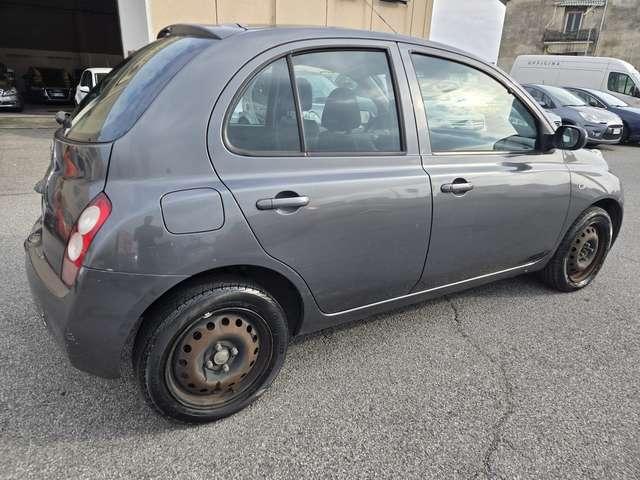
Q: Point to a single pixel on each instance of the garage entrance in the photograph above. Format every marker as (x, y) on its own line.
(50, 42)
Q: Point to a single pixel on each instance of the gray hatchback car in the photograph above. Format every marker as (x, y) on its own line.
(226, 189)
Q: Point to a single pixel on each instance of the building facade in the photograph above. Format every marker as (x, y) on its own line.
(606, 28)
(473, 25)
(76, 34)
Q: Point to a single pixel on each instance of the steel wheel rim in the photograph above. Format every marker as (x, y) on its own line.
(195, 370)
(585, 253)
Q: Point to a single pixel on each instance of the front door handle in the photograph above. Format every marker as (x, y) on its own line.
(282, 203)
(457, 187)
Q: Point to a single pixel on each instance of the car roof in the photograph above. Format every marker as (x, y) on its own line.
(223, 31)
(98, 69)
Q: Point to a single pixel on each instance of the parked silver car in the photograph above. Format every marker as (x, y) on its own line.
(212, 221)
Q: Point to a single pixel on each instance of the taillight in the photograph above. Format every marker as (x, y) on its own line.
(88, 224)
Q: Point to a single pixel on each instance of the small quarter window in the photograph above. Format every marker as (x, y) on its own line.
(264, 118)
(467, 110)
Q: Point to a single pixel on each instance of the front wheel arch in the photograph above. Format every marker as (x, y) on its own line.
(614, 209)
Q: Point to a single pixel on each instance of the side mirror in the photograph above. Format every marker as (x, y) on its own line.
(63, 119)
(570, 137)
(84, 89)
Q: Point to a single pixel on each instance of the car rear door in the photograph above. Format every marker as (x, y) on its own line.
(498, 202)
(340, 197)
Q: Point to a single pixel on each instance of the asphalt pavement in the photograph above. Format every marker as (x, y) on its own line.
(511, 380)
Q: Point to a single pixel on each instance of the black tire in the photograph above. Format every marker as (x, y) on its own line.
(179, 319)
(577, 261)
(625, 134)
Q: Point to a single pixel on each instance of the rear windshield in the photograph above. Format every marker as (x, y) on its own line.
(115, 105)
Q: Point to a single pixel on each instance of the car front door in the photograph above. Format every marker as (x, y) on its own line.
(499, 203)
(328, 174)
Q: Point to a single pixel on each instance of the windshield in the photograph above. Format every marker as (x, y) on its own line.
(610, 99)
(116, 103)
(564, 97)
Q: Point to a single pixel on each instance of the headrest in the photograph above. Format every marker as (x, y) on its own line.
(341, 112)
(305, 93)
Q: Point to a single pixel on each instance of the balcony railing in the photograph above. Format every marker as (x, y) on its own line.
(585, 35)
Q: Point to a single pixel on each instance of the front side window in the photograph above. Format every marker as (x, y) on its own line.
(467, 110)
(621, 83)
(264, 118)
(347, 100)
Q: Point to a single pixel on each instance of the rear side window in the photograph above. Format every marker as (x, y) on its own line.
(344, 102)
(467, 110)
(112, 108)
(348, 102)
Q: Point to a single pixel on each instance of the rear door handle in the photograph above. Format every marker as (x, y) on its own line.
(457, 187)
(282, 202)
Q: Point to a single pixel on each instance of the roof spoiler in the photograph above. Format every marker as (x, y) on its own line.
(217, 32)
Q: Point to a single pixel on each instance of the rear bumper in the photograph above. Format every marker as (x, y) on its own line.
(91, 321)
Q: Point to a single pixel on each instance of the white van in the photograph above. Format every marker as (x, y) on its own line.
(600, 73)
(89, 79)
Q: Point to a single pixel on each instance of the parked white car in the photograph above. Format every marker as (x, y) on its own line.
(89, 79)
(611, 75)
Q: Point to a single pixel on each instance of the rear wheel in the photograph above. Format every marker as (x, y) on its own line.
(211, 350)
(581, 253)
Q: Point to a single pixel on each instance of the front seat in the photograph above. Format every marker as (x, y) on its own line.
(341, 115)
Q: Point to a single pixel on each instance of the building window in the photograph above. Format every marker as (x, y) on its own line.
(573, 20)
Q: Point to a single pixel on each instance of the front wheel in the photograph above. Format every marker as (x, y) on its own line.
(211, 350)
(581, 253)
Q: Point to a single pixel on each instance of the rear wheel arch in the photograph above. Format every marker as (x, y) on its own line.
(275, 283)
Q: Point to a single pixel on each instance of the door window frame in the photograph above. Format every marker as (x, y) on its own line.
(543, 124)
(570, 17)
(318, 46)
